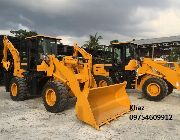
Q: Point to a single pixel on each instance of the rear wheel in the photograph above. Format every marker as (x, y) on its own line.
(55, 96)
(18, 89)
(155, 89)
(102, 81)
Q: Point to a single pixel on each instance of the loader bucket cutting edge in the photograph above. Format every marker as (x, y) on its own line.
(104, 104)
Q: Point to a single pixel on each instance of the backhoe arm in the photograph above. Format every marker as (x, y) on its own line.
(15, 55)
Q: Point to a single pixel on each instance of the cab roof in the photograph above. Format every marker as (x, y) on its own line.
(122, 44)
(39, 35)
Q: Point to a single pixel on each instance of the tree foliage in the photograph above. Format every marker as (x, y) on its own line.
(23, 33)
(93, 42)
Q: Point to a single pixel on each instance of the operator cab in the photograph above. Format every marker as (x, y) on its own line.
(123, 52)
(39, 48)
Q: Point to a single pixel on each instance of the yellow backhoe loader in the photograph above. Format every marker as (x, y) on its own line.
(58, 78)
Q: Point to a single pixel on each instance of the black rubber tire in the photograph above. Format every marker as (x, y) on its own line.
(170, 88)
(105, 78)
(62, 96)
(22, 89)
(163, 88)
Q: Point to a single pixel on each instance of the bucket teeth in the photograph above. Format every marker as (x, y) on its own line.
(112, 118)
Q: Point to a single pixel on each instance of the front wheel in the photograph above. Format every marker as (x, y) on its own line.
(155, 89)
(55, 96)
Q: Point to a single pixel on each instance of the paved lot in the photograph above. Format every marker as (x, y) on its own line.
(29, 120)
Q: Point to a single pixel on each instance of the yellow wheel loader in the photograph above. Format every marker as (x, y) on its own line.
(59, 78)
(155, 79)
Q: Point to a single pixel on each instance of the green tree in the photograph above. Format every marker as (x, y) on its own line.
(23, 33)
(93, 42)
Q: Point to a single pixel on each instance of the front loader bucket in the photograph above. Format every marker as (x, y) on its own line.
(103, 104)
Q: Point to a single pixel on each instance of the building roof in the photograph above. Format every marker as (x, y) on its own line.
(120, 43)
(39, 35)
(158, 40)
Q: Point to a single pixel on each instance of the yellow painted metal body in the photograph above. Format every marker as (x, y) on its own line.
(107, 103)
(95, 106)
(160, 69)
(99, 69)
(132, 65)
(15, 54)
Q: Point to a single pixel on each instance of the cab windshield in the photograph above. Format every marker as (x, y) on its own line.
(47, 46)
(123, 53)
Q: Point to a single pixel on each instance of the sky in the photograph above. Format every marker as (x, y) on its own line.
(75, 20)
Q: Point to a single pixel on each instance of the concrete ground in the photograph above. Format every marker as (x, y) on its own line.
(29, 120)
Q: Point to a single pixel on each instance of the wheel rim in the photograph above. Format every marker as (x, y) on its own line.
(50, 97)
(103, 83)
(14, 89)
(153, 89)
